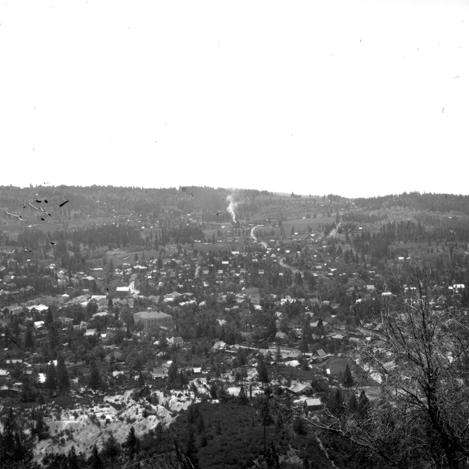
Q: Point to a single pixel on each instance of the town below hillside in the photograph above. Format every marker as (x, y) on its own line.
(197, 327)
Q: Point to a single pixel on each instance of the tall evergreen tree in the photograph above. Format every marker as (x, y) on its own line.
(266, 418)
(110, 305)
(262, 371)
(29, 337)
(347, 379)
(95, 459)
(53, 337)
(363, 405)
(95, 377)
(8, 437)
(304, 346)
(352, 405)
(320, 328)
(200, 424)
(28, 392)
(242, 397)
(39, 426)
(111, 449)
(299, 426)
(335, 402)
(15, 448)
(173, 375)
(191, 450)
(279, 423)
(49, 317)
(72, 459)
(51, 377)
(131, 443)
(63, 382)
(278, 354)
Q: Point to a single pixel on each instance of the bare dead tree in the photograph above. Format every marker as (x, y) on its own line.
(422, 417)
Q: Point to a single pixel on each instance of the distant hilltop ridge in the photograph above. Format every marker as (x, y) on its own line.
(75, 206)
(201, 189)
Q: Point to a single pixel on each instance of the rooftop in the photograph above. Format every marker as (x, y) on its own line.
(151, 315)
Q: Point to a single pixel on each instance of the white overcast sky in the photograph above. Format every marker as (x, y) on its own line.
(347, 97)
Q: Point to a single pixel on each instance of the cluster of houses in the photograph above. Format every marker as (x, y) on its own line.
(246, 287)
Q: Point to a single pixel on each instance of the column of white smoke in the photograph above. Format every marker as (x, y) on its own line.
(231, 209)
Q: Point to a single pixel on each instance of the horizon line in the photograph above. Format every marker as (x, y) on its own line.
(228, 189)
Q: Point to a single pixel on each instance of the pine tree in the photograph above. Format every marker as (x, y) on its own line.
(39, 427)
(49, 317)
(278, 355)
(8, 437)
(110, 305)
(63, 382)
(213, 390)
(53, 337)
(299, 426)
(274, 460)
(335, 403)
(271, 328)
(28, 392)
(307, 333)
(262, 371)
(279, 423)
(242, 397)
(266, 419)
(131, 443)
(202, 440)
(200, 425)
(352, 405)
(111, 449)
(29, 337)
(363, 405)
(95, 378)
(320, 328)
(304, 347)
(347, 380)
(192, 414)
(218, 429)
(191, 450)
(173, 375)
(51, 377)
(72, 459)
(95, 459)
(15, 449)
